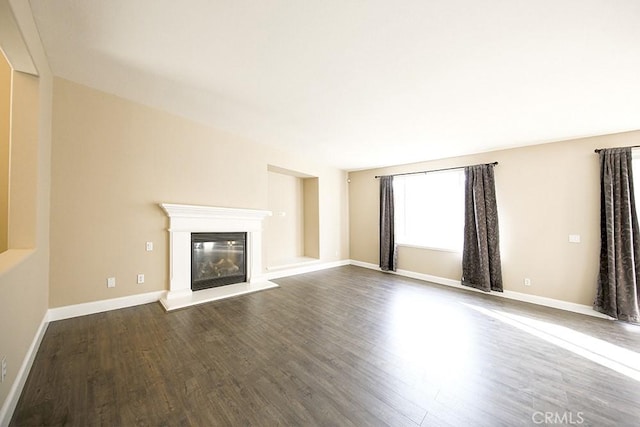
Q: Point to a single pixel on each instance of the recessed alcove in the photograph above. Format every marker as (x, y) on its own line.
(291, 234)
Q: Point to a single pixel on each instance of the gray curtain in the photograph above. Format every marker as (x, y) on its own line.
(617, 294)
(388, 255)
(481, 251)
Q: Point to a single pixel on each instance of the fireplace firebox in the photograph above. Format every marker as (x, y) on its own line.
(217, 259)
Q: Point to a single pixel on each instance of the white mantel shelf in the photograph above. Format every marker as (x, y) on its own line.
(197, 211)
(187, 219)
(201, 218)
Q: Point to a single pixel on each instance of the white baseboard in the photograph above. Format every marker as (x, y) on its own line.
(69, 311)
(60, 313)
(10, 403)
(553, 303)
(305, 269)
(66, 312)
(517, 296)
(76, 310)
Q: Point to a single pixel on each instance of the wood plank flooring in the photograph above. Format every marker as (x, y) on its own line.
(340, 347)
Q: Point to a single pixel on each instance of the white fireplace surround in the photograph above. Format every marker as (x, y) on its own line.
(187, 219)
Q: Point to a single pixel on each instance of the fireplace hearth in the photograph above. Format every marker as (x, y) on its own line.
(217, 259)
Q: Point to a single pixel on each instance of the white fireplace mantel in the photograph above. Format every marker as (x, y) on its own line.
(187, 219)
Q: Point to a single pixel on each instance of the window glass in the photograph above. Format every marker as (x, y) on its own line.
(429, 209)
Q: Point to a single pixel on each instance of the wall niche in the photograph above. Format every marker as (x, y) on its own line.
(292, 233)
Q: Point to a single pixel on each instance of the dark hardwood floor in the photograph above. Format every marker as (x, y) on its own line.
(341, 347)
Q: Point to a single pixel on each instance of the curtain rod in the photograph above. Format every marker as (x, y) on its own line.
(434, 170)
(597, 150)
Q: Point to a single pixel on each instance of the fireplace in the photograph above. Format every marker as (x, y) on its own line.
(217, 259)
(186, 220)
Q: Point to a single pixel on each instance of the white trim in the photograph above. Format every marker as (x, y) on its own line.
(66, 312)
(212, 212)
(228, 291)
(365, 265)
(306, 269)
(76, 310)
(517, 296)
(10, 403)
(431, 248)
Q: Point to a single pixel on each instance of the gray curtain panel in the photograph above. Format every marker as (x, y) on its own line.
(481, 251)
(388, 256)
(618, 290)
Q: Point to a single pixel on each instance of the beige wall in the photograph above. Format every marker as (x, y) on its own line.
(114, 161)
(5, 117)
(545, 192)
(311, 218)
(24, 272)
(285, 227)
(24, 174)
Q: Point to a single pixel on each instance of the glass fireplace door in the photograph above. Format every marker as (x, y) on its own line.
(217, 259)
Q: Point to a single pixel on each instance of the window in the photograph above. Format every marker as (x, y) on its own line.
(429, 210)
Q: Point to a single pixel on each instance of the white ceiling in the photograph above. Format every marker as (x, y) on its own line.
(363, 83)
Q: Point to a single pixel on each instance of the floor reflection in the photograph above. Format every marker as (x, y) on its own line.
(622, 360)
(420, 337)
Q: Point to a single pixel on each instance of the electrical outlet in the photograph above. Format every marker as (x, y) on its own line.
(527, 281)
(149, 246)
(4, 369)
(111, 282)
(140, 278)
